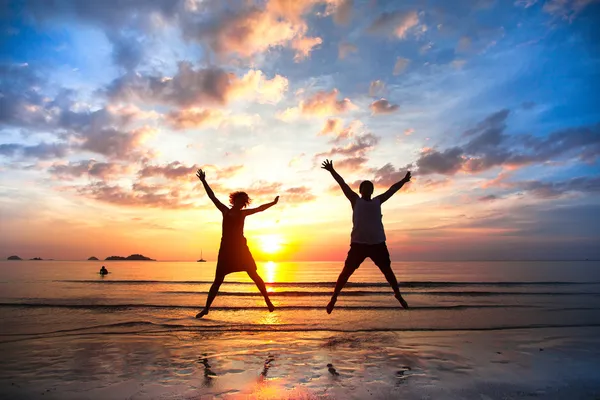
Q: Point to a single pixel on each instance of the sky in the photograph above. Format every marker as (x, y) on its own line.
(107, 109)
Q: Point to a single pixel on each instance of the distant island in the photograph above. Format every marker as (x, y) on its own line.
(133, 257)
(14, 258)
(93, 259)
(36, 259)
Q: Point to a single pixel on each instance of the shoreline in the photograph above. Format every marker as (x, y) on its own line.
(518, 363)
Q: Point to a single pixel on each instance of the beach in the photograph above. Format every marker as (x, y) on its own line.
(494, 331)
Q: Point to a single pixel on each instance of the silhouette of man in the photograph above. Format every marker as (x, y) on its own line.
(368, 236)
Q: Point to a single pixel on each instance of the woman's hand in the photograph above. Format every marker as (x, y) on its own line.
(201, 175)
(276, 200)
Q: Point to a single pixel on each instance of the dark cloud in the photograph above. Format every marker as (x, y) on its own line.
(360, 145)
(196, 87)
(21, 102)
(555, 189)
(489, 146)
(128, 50)
(40, 151)
(447, 162)
(91, 168)
(383, 106)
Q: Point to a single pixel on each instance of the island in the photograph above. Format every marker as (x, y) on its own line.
(93, 259)
(133, 257)
(14, 258)
(36, 259)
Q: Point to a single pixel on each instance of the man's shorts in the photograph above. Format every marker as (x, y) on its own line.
(376, 252)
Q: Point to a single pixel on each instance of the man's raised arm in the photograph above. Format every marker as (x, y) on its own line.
(394, 188)
(350, 194)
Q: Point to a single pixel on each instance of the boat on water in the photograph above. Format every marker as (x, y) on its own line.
(201, 258)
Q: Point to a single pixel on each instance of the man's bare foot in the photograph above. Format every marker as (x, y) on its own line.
(271, 307)
(401, 300)
(330, 306)
(202, 313)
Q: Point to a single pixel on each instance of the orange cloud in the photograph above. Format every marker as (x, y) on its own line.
(304, 45)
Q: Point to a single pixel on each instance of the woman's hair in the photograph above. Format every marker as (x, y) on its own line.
(241, 195)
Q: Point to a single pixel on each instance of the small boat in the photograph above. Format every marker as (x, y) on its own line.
(201, 259)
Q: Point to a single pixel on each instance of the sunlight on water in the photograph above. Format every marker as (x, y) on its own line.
(271, 269)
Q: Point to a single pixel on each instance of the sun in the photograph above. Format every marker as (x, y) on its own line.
(271, 244)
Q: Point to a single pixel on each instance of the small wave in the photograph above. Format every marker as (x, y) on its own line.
(158, 328)
(350, 293)
(116, 307)
(409, 284)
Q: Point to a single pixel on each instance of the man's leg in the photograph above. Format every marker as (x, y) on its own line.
(381, 257)
(355, 257)
(212, 293)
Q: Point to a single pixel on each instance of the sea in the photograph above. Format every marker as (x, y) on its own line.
(66, 298)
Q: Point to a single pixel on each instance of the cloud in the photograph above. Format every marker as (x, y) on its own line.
(321, 104)
(198, 87)
(304, 46)
(195, 118)
(401, 65)
(351, 163)
(128, 50)
(343, 12)
(382, 106)
(489, 146)
(177, 171)
(332, 125)
(566, 9)
(360, 145)
(41, 150)
(555, 189)
(395, 23)
(335, 127)
(140, 195)
(376, 88)
(254, 30)
(246, 32)
(91, 168)
(447, 162)
(114, 143)
(345, 49)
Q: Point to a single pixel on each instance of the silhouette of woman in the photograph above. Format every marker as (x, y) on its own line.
(234, 254)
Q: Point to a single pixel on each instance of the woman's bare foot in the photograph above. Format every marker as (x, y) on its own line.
(202, 313)
(401, 300)
(330, 306)
(271, 307)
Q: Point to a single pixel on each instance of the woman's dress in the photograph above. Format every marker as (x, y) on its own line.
(234, 254)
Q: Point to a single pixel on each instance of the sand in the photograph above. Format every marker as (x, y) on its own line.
(183, 364)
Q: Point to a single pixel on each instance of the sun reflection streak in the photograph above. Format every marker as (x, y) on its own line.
(271, 269)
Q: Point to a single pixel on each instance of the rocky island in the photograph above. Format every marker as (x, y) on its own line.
(93, 259)
(133, 257)
(36, 259)
(14, 258)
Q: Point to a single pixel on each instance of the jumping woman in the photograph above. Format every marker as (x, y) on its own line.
(234, 254)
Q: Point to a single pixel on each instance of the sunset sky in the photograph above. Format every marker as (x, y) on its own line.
(108, 108)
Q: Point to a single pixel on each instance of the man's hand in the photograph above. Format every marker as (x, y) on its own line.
(276, 200)
(201, 175)
(328, 165)
(407, 177)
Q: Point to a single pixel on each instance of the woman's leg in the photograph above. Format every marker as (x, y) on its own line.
(260, 284)
(212, 293)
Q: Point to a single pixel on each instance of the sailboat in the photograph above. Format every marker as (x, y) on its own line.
(201, 259)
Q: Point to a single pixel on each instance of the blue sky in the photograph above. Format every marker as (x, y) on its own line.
(109, 108)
